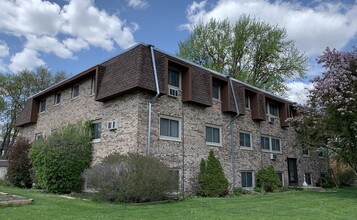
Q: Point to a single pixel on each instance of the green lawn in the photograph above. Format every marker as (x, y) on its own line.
(337, 204)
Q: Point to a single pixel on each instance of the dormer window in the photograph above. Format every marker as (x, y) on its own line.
(272, 109)
(174, 78)
(247, 102)
(216, 91)
(42, 105)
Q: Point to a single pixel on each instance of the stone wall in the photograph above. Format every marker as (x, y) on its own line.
(130, 111)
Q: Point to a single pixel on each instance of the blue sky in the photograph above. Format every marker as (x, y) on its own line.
(73, 35)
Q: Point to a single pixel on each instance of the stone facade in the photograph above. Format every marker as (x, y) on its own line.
(130, 112)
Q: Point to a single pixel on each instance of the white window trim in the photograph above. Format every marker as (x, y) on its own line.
(253, 179)
(270, 144)
(55, 99)
(251, 139)
(92, 84)
(168, 138)
(308, 153)
(220, 135)
(180, 76)
(268, 110)
(96, 140)
(39, 134)
(73, 92)
(249, 107)
(219, 93)
(39, 109)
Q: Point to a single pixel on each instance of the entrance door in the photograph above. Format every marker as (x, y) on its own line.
(292, 169)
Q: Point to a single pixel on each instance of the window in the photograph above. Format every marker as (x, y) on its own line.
(92, 86)
(38, 136)
(75, 91)
(42, 105)
(170, 128)
(247, 179)
(280, 175)
(270, 144)
(57, 98)
(213, 135)
(265, 143)
(216, 91)
(247, 102)
(305, 152)
(96, 130)
(245, 140)
(308, 178)
(272, 109)
(174, 78)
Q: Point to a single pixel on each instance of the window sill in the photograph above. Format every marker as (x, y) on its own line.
(165, 138)
(96, 140)
(216, 100)
(73, 98)
(214, 144)
(306, 156)
(57, 104)
(40, 113)
(246, 148)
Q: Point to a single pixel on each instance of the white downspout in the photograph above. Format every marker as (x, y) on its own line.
(232, 132)
(152, 100)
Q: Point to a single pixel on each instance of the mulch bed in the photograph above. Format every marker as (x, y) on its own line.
(11, 200)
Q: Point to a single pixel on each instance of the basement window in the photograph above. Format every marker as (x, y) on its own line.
(247, 179)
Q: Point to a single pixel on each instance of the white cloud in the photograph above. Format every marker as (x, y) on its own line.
(4, 49)
(27, 58)
(48, 45)
(313, 29)
(138, 3)
(48, 28)
(2, 66)
(298, 91)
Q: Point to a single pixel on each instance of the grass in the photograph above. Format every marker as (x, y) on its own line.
(337, 204)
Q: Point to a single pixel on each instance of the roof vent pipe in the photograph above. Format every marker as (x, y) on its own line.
(152, 100)
(231, 124)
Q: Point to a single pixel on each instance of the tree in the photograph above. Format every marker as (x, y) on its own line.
(14, 91)
(329, 118)
(211, 179)
(249, 50)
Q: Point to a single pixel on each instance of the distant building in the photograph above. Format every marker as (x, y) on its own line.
(192, 114)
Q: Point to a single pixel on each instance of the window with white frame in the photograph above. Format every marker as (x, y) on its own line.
(270, 144)
(42, 105)
(174, 78)
(38, 136)
(58, 98)
(280, 175)
(213, 135)
(305, 152)
(75, 91)
(272, 110)
(308, 178)
(247, 179)
(92, 86)
(247, 102)
(245, 140)
(216, 91)
(96, 130)
(170, 128)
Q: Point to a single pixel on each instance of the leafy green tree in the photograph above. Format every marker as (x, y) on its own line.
(14, 91)
(211, 179)
(249, 50)
(328, 121)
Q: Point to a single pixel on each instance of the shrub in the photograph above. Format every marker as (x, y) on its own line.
(131, 178)
(267, 179)
(19, 170)
(211, 179)
(346, 177)
(60, 159)
(326, 182)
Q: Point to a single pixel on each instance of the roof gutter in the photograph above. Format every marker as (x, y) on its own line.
(152, 100)
(231, 125)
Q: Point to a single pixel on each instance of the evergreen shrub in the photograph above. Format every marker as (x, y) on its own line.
(267, 179)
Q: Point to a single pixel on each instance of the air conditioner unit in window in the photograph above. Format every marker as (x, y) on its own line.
(112, 125)
(270, 119)
(273, 156)
(173, 92)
